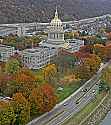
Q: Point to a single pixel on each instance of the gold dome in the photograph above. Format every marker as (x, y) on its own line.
(56, 21)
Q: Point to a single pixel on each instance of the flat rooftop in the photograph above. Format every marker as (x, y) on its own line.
(5, 46)
(36, 50)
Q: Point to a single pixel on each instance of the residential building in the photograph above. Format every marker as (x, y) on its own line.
(74, 45)
(5, 31)
(6, 52)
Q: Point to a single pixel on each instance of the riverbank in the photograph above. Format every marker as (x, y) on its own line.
(107, 119)
(99, 112)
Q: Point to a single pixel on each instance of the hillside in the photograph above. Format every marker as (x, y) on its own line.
(13, 11)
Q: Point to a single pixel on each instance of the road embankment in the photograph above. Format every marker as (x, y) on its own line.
(99, 113)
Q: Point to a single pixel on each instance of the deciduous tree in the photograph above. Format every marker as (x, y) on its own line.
(7, 115)
(12, 66)
(26, 81)
(42, 99)
(21, 108)
(50, 72)
(88, 67)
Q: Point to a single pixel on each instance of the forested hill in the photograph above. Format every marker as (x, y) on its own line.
(14, 11)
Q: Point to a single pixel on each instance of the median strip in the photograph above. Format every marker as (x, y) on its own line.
(78, 118)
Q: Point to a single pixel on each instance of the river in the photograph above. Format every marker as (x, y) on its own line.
(107, 120)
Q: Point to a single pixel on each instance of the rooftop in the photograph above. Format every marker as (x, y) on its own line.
(5, 46)
(36, 50)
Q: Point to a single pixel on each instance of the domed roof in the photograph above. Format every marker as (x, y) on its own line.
(56, 21)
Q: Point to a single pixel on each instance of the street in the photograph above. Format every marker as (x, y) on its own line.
(73, 104)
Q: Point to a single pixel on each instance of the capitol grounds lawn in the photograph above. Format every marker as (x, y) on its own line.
(79, 117)
(67, 89)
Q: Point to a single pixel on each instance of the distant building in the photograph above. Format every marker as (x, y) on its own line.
(5, 31)
(74, 45)
(38, 57)
(6, 52)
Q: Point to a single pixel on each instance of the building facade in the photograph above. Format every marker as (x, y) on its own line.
(38, 57)
(74, 45)
(5, 31)
(6, 52)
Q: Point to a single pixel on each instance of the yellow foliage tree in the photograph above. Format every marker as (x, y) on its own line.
(50, 72)
(7, 115)
(89, 67)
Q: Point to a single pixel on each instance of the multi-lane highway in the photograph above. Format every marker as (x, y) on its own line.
(72, 104)
(72, 107)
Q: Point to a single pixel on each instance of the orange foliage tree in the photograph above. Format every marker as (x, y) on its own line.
(26, 81)
(7, 84)
(21, 108)
(86, 49)
(104, 52)
(109, 35)
(42, 99)
(88, 67)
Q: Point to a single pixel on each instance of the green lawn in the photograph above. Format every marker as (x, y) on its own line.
(76, 119)
(67, 91)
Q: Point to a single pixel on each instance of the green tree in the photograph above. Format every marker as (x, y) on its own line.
(103, 86)
(7, 115)
(65, 63)
(12, 66)
(69, 35)
(106, 76)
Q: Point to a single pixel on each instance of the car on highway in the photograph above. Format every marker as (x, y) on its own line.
(84, 90)
(94, 91)
(77, 102)
(66, 103)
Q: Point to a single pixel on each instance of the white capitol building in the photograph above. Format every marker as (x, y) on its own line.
(55, 33)
(38, 57)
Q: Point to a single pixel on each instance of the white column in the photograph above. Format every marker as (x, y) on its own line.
(19, 31)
